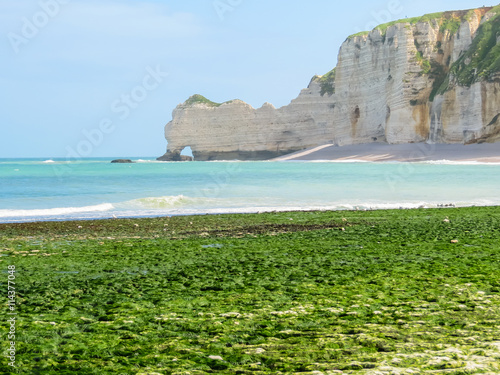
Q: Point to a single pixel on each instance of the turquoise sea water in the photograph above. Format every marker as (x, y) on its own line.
(32, 190)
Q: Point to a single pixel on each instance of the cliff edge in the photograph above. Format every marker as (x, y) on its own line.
(433, 79)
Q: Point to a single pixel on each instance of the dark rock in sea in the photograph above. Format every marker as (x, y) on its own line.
(122, 161)
(175, 157)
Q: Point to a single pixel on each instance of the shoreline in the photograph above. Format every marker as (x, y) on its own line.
(410, 153)
(447, 206)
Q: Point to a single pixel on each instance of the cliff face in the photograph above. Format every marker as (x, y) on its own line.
(431, 79)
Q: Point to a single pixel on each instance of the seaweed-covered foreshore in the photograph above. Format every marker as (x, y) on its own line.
(375, 292)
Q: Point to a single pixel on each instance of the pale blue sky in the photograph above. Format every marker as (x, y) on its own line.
(89, 78)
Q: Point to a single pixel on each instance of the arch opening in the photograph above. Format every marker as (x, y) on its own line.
(187, 153)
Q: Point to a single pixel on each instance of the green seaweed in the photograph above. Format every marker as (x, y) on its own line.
(272, 293)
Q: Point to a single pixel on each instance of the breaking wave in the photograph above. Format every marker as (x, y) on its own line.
(457, 162)
(175, 201)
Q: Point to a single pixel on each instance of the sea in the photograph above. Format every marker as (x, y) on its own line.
(56, 189)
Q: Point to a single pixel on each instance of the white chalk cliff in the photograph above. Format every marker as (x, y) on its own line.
(432, 79)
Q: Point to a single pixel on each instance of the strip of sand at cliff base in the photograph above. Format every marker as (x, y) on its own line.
(411, 152)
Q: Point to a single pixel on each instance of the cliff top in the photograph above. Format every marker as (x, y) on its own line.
(200, 99)
(448, 21)
(326, 81)
(480, 62)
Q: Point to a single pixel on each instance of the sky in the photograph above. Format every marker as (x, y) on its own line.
(100, 78)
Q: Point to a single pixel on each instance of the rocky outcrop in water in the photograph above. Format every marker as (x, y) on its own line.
(432, 79)
(121, 161)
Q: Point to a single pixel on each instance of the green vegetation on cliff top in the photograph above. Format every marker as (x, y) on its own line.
(412, 21)
(294, 292)
(327, 82)
(201, 99)
(195, 99)
(383, 27)
(448, 21)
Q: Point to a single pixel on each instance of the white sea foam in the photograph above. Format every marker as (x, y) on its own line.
(180, 205)
(235, 206)
(49, 161)
(340, 161)
(457, 162)
(59, 211)
(175, 201)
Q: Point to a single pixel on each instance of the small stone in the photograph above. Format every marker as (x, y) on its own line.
(216, 357)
